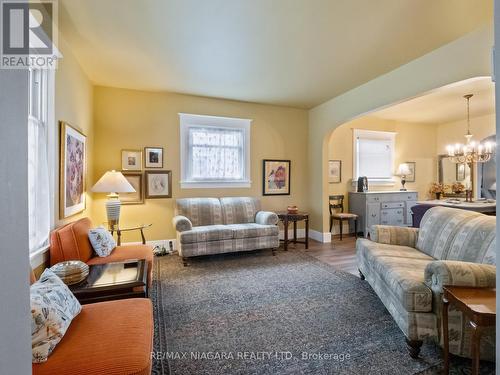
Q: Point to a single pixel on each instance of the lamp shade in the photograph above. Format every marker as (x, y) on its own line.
(113, 182)
(403, 170)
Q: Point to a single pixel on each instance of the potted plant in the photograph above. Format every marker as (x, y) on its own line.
(437, 189)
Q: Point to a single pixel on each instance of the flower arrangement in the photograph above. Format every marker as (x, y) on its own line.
(458, 187)
(437, 187)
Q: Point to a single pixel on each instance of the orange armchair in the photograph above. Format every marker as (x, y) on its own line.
(71, 242)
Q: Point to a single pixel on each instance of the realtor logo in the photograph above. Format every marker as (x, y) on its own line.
(27, 34)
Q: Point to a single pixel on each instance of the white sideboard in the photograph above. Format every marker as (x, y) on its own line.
(382, 207)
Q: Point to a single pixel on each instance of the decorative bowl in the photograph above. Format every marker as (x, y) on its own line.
(71, 272)
(292, 209)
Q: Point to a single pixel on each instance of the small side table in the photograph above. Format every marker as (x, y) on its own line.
(479, 306)
(286, 218)
(119, 231)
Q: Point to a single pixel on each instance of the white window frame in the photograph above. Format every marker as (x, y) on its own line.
(188, 121)
(373, 134)
(45, 112)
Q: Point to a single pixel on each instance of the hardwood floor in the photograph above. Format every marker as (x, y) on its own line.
(339, 254)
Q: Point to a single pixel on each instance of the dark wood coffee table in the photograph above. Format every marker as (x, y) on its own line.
(479, 306)
(111, 281)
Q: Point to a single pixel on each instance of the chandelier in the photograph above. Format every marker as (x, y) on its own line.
(471, 151)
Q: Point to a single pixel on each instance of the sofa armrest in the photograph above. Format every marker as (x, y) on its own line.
(182, 223)
(266, 218)
(456, 273)
(392, 235)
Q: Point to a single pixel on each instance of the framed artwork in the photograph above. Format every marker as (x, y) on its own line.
(158, 184)
(460, 172)
(412, 166)
(334, 171)
(72, 170)
(135, 179)
(276, 177)
(153, 157)
(132, 160)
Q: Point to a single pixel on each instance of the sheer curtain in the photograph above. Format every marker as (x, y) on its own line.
(216, 154)
(38, 166)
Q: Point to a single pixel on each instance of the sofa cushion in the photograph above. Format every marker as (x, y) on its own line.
(253, 230)
(206, 233)
(109, 338)
(474, 241)
(102, 241)
(201, 211)
(401, 268)
(239, 210)
(438, 229)
(71, 242)
(121, 253)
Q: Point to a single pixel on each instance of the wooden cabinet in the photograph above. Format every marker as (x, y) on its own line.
(382, 207)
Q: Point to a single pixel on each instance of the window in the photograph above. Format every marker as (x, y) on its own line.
(215, 151)
(40, 147)
(374, 155)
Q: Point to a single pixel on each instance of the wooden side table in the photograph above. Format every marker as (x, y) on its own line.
(479, 306)
(286, 218)
(120, 230)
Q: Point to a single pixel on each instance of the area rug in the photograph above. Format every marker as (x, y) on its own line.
(254, 313)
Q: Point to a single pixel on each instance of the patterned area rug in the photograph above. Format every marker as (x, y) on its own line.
(252, 313)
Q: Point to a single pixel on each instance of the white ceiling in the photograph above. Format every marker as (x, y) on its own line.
(287, 52)
(445, 104)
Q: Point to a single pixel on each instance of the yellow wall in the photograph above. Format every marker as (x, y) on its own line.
(129, 119)
(74, 104)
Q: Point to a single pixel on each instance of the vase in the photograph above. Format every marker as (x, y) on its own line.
(438, 196)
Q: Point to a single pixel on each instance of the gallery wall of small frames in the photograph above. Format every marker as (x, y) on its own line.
(149, 184)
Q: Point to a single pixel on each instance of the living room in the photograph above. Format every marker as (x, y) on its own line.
(197, 190)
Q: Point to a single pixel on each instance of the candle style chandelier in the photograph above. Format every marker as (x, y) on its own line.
(471, 151)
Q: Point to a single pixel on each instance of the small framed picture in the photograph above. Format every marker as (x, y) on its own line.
(137, 181)
(132, 160)
(153, 157)
(276, 177)
(460, 172)
(158, 184)
(412, 166)
(334, 171)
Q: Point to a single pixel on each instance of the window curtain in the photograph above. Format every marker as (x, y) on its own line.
(216, 153)
(375, 158)
(38, 184)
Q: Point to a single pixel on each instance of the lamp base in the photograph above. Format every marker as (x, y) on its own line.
(403, 182)
(113, 206)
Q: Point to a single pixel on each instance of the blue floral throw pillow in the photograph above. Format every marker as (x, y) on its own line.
(53, 307)
(102, 241)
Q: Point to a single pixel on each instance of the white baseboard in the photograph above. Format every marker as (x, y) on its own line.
(321, 237)
(165, 243)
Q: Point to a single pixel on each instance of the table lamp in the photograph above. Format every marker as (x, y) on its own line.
(113, 182)
(403, 171)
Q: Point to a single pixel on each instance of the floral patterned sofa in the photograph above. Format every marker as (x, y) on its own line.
(408, 267)
(221, 225)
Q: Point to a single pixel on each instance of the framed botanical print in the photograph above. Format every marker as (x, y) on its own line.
(132, 160)
(276, 177)
(412, 166)
(136, 179)
(153, 157)
(72, 172)
(158, 184)
(334, 171)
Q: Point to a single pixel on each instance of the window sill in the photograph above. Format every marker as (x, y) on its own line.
(38, 256)
(376, 182)
(215, 184)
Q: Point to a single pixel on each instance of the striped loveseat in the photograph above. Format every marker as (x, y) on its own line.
(221, 225)
(408, 267)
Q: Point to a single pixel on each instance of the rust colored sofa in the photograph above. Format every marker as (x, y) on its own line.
(112, 338)
(71, 242)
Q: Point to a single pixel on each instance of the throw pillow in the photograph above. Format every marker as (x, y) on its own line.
(53, 307)
(102, 241)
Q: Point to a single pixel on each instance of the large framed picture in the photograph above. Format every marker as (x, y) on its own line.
(136, 179)
(131, 160)
(153, 157)
(72, 170)
(276, 177)
(412, 166)
(334, 171)
(158, 184)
